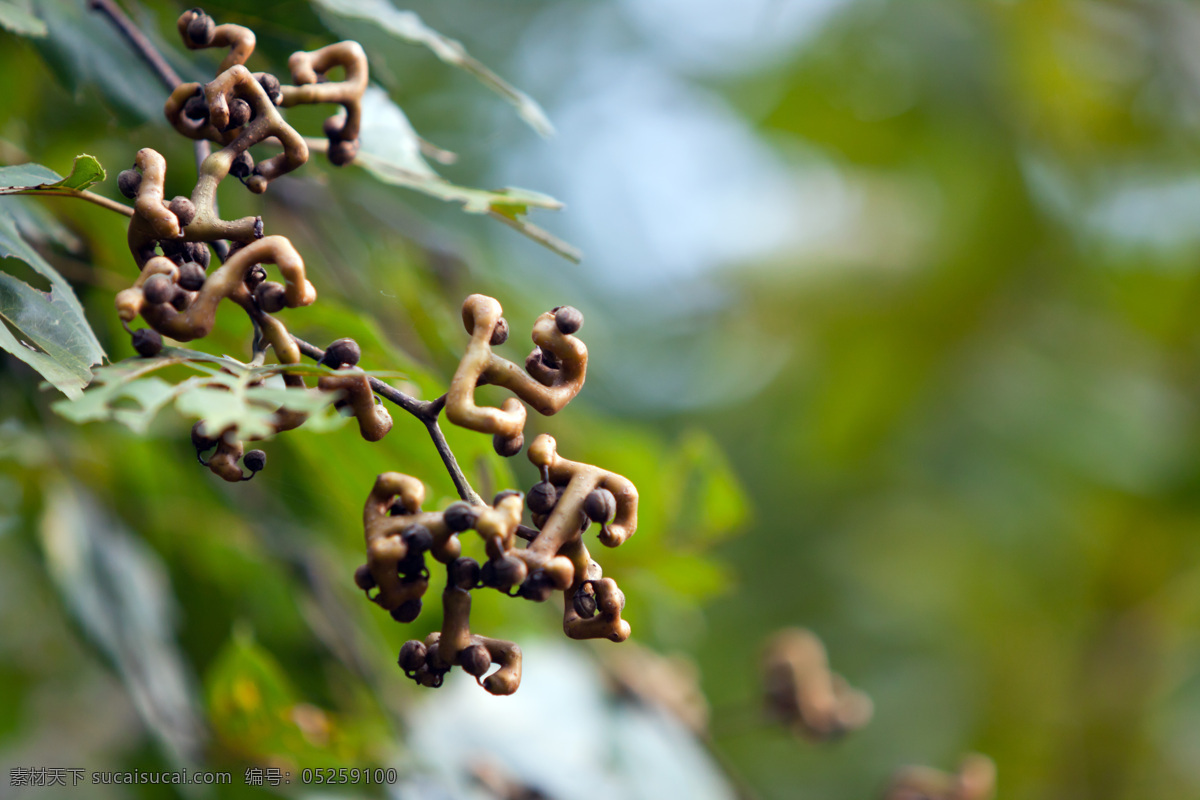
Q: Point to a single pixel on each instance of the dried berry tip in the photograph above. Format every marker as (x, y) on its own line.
(242, 166)
(255, 276)
(500, 333)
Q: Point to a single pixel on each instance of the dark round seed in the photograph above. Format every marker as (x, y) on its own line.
(239, 114)
(271, 296)
(196, 108)
(584, 603)
(255, 276)
(407, 611)
(363, 578)
(508, 446)
(333, 126)
(463, 572)
(342, 353)
(503, 494)
(500, 333)
(458, 516)
(197, 252)
(550, 360)
(600, 505)
(500, 573)
(179, 300)
(147, 342)
(270, 85)
(475, 660)
(417, 538)
(431, 660)
(201, 29)
(569, 320)
(342, 152)
(537, 587)
(158, 289)
(255, 460)
(183, 210)
(242, 166)
(199, 440)
(542, 497)
(191, 276)
(412, 655)
(128, 182)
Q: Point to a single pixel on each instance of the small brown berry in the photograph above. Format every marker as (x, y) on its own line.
(271, 296)
(569, 320)
(271, 86)
(458, 516)
(242, 166)
(199, 440)
(147, 342)
(537, 587)
(363, 578)
(508, 446)
(407, 611)
(600, 505)
(412, 655)
(179, 300)
(255, 460)
(196, 108)
(201, 28)
(255, 276)
(197, 252)
(342, 152)
(542, 497)
(342, 353)
(417, 538)
(128, 182)
(475, 660)
(499, 333)
(463, 572)
(183, 210)
(191, 276)
(584, 602)
(239, 114)
(158, 289)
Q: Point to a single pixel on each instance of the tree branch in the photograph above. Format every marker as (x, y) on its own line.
(427, 411)
(141, 44)
(91, 197)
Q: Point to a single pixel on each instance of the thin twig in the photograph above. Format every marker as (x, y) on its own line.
(144, 47)
(91, 197)
(427, 411)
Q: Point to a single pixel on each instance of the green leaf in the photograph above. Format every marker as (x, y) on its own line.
(391, 151)
(18, 19)
(408, 26)
(55, 338)
(85, 171)
(89, 57)
(236, 396)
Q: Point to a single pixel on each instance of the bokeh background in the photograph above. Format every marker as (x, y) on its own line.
(891, 308)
